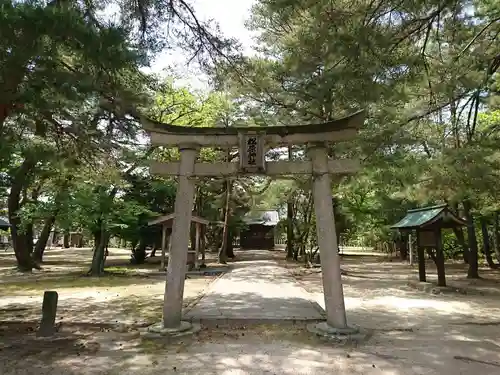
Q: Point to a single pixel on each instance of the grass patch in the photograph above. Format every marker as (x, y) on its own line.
(143, 308)
(111, 278)
(149, 346)
(121, 271)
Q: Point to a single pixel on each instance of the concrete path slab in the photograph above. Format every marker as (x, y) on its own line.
(256, 290)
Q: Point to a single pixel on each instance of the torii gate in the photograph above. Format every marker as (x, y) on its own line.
(253, 143)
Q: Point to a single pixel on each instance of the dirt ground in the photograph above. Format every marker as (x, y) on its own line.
(127, 294)
(410, 329)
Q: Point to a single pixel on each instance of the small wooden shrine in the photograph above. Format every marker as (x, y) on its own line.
(259, 230)
(428, 223)
(166, 222)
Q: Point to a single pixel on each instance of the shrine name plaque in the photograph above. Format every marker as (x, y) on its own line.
(252, 153)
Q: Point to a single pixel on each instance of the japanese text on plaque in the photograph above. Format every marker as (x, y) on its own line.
(252, 151)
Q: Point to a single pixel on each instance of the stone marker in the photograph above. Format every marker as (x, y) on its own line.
(49, 310)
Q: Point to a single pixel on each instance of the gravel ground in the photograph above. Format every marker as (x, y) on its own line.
(259, 350)
(410, 332)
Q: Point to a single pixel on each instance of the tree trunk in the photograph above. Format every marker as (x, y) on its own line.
(19, 238)
(289, 219)
(421, 260)
(28, 237)
(203, 244)
(229, 244)
(97, 266)
(439, 259)
(304, 236)
(402, 247)
(473, 271)
(290, 244)
(302, 250)
(192, 236)
(43, 238)
(29, 232)
(486, 243)
(440, 267)
(97, 238)
(223, 248)
(459, 234)
(66, 238)
(497, 235)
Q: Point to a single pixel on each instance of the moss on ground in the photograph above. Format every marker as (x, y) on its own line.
(111, 278)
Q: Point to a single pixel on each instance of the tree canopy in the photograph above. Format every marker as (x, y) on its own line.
(74, 156)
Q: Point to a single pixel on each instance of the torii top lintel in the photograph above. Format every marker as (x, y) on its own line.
(341, 129)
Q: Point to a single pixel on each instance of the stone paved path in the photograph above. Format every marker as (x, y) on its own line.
(256, 290)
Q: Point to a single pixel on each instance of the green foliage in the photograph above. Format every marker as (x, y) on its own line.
(422, 70)
(72, 148)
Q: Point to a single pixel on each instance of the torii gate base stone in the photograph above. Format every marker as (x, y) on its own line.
(253, 143)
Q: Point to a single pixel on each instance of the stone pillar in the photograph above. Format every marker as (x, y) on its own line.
(327, 239)
(176, 269)
(49, 310)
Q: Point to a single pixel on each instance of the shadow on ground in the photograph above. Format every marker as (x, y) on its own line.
(256, 351)
(412, 332)
(67, 268)
(133, 304)
(75, 280)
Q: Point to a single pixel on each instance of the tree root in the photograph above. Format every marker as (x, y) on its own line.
(468, 359)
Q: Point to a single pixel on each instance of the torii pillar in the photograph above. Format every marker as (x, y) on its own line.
(253, 143)
(176, 269)
(327, 238)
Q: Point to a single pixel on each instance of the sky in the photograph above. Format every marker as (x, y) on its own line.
(231, 16)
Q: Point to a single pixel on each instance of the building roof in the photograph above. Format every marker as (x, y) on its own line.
(4, 223)
(268, 218)
(427, 216)
(168, 219)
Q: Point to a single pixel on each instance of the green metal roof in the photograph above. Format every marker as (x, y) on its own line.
(4, 223)
(420, 217)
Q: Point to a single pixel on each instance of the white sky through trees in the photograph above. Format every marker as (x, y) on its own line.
(230, 16)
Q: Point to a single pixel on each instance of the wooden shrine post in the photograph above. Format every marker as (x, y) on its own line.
(410, 249)
(421, 260)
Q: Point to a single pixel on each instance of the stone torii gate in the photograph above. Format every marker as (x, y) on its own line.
(253, 142)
